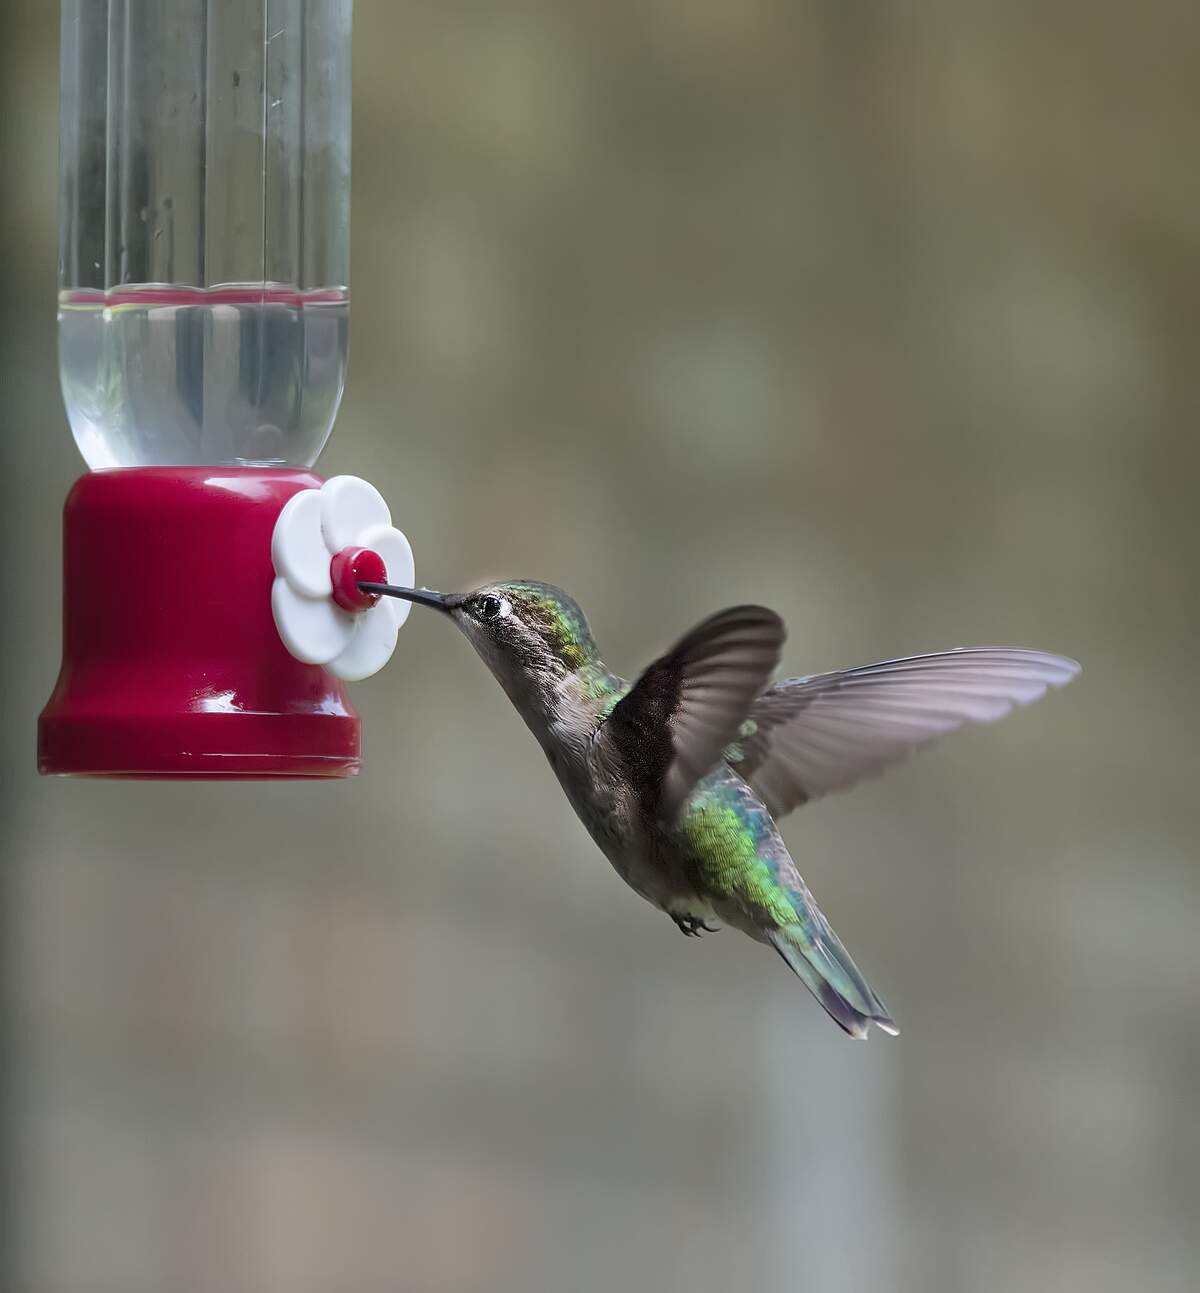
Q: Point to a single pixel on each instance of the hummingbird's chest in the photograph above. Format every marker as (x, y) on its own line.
(615, 816)
(602, 801)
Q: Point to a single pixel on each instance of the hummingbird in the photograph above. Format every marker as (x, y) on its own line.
(681, 776)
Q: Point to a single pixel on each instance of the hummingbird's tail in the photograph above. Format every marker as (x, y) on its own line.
(816, 955)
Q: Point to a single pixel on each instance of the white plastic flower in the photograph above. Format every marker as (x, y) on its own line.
(325, 541)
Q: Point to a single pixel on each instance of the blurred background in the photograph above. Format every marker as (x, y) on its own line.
(885, 316)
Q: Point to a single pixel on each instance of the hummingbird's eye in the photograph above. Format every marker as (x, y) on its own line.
(493, 608)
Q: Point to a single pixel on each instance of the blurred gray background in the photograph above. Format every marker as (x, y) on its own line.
(884, 315)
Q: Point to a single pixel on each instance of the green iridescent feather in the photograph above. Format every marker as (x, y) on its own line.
(562, 623)
(730, 836)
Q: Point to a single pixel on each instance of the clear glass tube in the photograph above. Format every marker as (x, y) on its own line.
(204, 228)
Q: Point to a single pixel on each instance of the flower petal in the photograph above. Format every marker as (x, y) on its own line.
(370, 649)
(313, 630)
(298, 548)
(397, 556)
(348, 507)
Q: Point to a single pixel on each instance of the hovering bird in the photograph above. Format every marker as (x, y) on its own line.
(680, 776)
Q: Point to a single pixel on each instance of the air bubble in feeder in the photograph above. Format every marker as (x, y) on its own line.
(203, 313)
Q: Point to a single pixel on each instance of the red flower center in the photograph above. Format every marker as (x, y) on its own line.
(350, 567)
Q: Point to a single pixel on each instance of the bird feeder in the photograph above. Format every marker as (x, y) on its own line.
(212, 613)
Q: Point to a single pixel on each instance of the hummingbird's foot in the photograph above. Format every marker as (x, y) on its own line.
(692, 926)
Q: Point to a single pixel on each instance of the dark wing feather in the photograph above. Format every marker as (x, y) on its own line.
(807, 736)
(670, 729)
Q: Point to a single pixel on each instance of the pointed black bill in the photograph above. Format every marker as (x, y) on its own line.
(422, 596)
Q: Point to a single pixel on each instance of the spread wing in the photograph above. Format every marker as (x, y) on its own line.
(807, 736)
(671, 728)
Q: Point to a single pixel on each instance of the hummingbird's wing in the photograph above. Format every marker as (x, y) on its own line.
(807, 736)
(671, 727)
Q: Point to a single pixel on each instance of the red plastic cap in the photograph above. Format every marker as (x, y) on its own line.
(172, 664)
(347, 569)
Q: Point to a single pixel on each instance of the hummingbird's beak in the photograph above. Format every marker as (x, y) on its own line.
(422, 596)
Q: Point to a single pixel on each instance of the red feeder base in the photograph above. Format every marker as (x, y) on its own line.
(172, 665)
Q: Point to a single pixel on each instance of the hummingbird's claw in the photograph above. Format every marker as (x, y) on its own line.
(692, 926)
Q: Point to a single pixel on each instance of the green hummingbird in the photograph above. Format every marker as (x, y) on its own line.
(681, 776)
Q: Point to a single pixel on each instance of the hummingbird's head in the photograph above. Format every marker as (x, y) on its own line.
(532, 636)
(525, 628)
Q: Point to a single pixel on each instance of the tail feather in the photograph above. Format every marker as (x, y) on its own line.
(816, 956)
